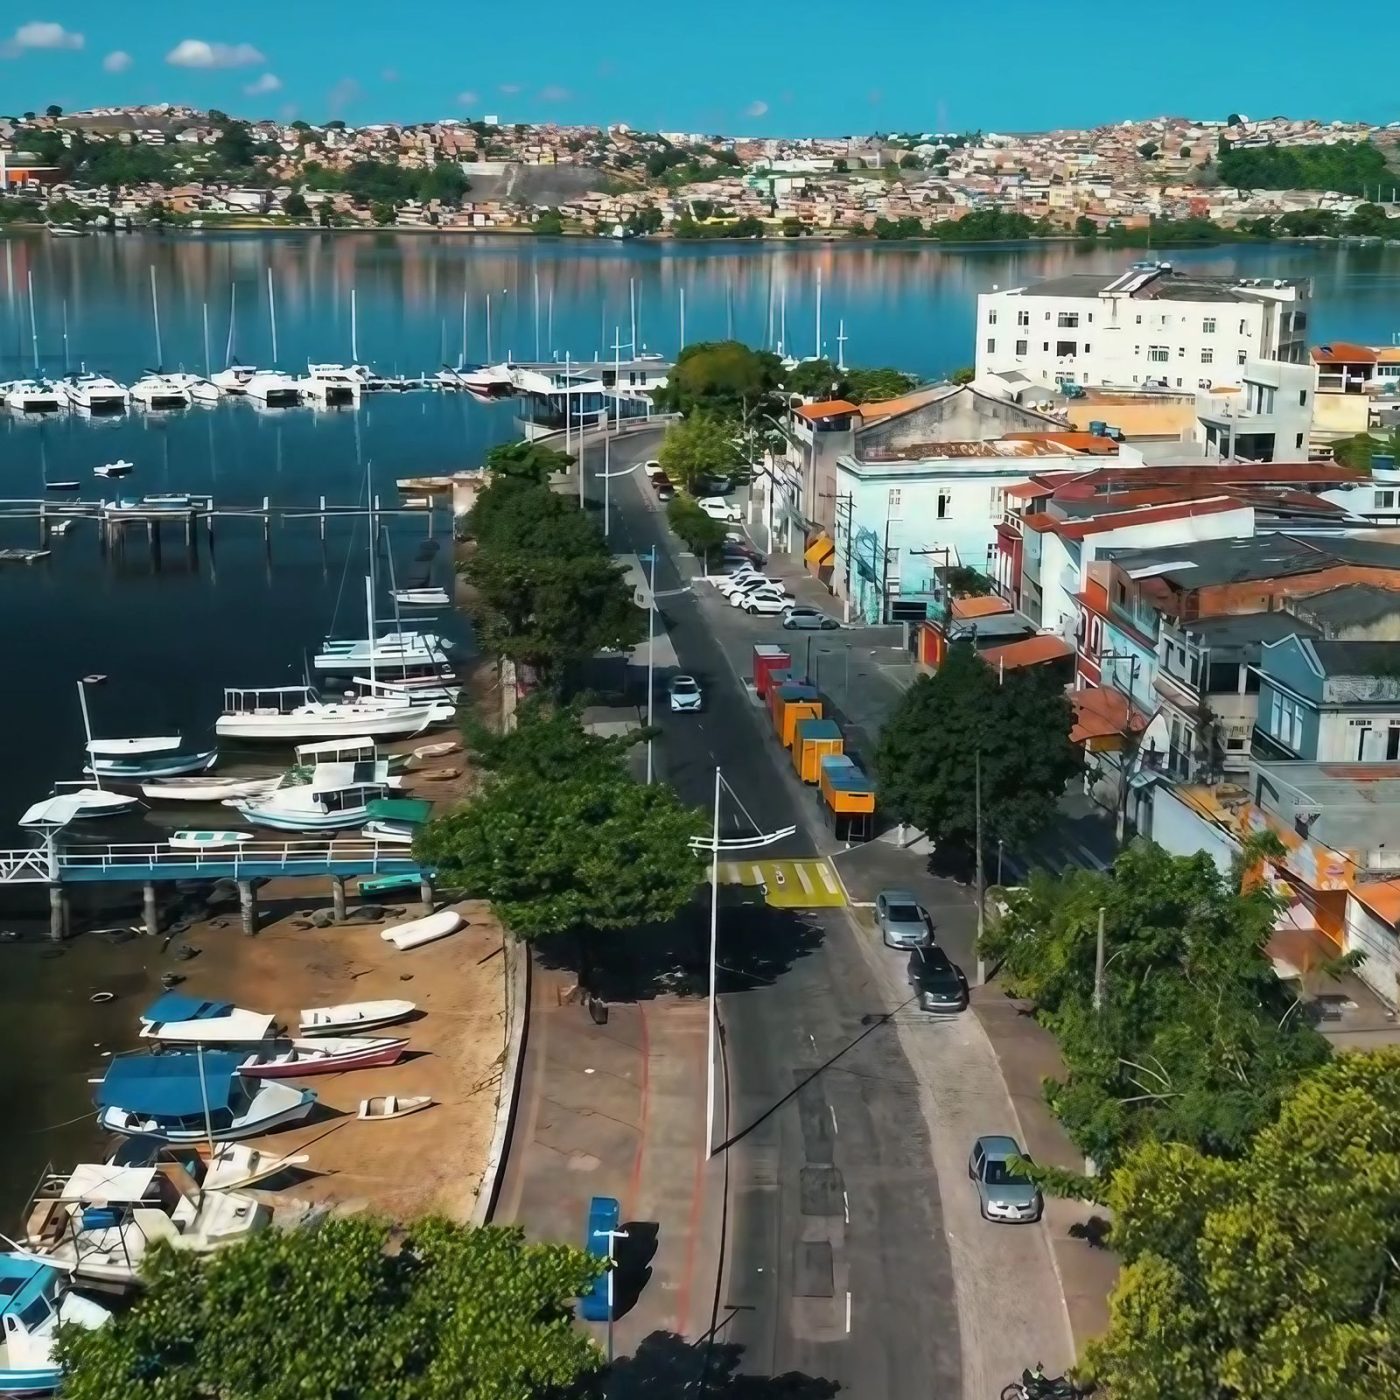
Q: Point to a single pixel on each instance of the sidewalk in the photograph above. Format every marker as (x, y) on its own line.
(618, 1110)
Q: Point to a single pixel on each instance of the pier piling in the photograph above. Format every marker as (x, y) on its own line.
(150, 907)
(338, 898)
(58, 913)
(425, 893)
(248, 907)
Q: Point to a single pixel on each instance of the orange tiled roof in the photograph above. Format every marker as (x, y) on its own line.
(831, 408)
(988, 606)
(1101, 712)
(1342, 352)
(1029, 651)
(1381, 897)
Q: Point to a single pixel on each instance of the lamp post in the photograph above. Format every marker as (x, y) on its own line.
(716, 848)
(651, 657)
(612, 1237)
(87, 726)
(606, 477)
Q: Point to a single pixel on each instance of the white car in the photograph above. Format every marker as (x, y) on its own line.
(717, 508)
(764, 600)
(686, 695)
(739, 578)
(749, 585)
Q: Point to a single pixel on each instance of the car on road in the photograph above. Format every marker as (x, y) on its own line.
(740, 591)
(743, 582)
(903, 921)
(686, 695)
(802, 619)
(719, 509)
(761, 600)
(939, 985)
(1003, 1192)
(665, 492)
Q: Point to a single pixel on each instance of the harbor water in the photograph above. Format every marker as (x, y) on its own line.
(170, 633)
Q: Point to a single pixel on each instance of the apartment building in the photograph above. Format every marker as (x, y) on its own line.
(1149, 326)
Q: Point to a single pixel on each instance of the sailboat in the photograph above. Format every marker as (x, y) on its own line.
(156, 389)
(95, 393)
(270, 386)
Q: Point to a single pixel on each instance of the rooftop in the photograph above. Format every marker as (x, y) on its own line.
(934, 451)
(1358, 658)
(1204, 563)
(1242, 629)
(1351, 605)
(1029, 651)
(1156, 283)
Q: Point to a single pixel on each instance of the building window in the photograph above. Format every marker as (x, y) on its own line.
(991, 318)
(1022, 346)
(1392, 742)
(997, 502)
(1244, 327)
(1302, 398)
(1159, 354)
(1090, 318)
(1180, 352)
(1287, 722)
(1086, 347)
(945, 503)
(1385, 500)
(1139, 321)
(991, 345)
(1065, 348)
(1240, 357)
(892, 502)
(1207, 356)
(1208, 326)
(1045, 346)
(1067, 320)
(1023, 318)
(1298, 440)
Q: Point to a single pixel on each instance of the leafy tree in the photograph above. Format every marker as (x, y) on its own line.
(814, 379)
(1085, 227)
(355, 1307)
(445, 183)
(719, 377)
(876, 385)
(1370, 221)
(698, 447)
(1234, 119)
(1194, 1042)
(295, 206)
(909, 161)
(549, 223)
(1355, 452)
(1186, 153)
(548, 739)
(382, 212)
(965, 375)
(1018, 722)
(234, 145)
(527, 461)
(792, 227)
(967, 583)
(841, 165)
(701, 532)
(1272, 1276)
(53, 110)
(1147, 150)
(1347, 166)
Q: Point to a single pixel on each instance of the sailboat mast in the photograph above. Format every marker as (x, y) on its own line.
(463, 361)
(632, 308)
(66, 360)
(204, 1098)
(488, 328)
(682, 344)
(204, 309)
(537, 315)
(33, 325)
(232, 310)
(272, 314)
(155, 317)
(354, 331)
(819, 314)
(369, 616)
(87, 734)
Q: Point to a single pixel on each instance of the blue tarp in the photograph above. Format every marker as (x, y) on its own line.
(174, 1006)
(167, 1086)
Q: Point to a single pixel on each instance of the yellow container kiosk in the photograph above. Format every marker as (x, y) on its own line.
(795, 702)
(814, 739)
(848, 798)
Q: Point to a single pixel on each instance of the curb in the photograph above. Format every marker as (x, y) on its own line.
(518, 993)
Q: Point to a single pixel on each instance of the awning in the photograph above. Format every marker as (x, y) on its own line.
(819, 551)
(175, 1006)
(169, 1086)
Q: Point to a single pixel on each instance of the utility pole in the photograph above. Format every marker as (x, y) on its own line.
(981, 884)
(1098, 967)
(651, 658)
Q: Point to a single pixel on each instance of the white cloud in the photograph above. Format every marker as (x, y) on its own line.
(554, 93)
(346, 91)
(200, 53)
(118, 61)
(468, 99)
(390, 75)
(260, 87)
(510, 89)
(39, 34)
(756, 109)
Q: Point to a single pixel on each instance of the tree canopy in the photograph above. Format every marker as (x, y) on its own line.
(530, 461)
(1272, 1276)
(699, 447)
(700, 532)
(352, 1308)
(820, 379)
(719, 377)
(1019, 723)
(1350, 167)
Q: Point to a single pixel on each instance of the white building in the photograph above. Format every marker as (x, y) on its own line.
(1150, 325)
(1265, 416)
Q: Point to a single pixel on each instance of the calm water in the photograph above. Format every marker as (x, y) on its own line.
(169, 638)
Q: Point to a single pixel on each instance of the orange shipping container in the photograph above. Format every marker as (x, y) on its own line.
(815, 739)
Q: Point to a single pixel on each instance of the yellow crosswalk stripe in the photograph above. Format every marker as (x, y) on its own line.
(789, 884)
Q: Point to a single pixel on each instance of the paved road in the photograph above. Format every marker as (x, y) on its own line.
(839, 1264)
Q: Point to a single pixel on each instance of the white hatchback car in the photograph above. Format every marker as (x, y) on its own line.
(686, 695)
(746, 579)
(717, 508)
(742, 590)
(769, 601)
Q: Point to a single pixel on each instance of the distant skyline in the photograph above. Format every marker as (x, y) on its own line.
(822, 69)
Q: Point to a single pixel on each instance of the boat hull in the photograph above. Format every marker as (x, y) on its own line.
(162, 767)
(387, 1054)
(118, 1120)
(302, 821)
(416, 932)
(383, 1015)
(194, 790)
(33, 1380)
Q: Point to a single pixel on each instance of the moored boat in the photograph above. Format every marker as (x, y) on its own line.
(35, 1301)
(207, 789)
(132, 748)
(208, 840)
(290, 713)
(334, 797)
(292, 1059)
(155, 766)
(381, 1106)
(78, 804)
(416, 932)
(354, 1016)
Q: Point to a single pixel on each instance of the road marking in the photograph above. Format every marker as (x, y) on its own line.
(824, 870)
(848, 1312)
(835, 1127)
(846, 1207)
(788, 884)
(805, 880)
(757, 876)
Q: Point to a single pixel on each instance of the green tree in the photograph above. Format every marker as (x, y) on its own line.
(382, 212)
(1348, 166)
(793, 227)
(1018, 722)
(1147, 150)
(1194, 1042)
(701, 532)
(963, 582)
(548, 739)
(909, 161)
(445, 182)
(549, 223)
(876, 385)
(814, 379)
(354, 1307)
(527, 461)
(1271, 1276)
(965, 375)
(1355, 452)
(698, 447)
(1085, 227)
(295, 206)
(53, 110)
(234, 145)
(719, 377)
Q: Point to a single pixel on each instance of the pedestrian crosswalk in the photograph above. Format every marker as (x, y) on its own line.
(787, 884)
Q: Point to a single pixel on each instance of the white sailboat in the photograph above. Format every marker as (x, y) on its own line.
(331, 385)
(273, 388)
(394, 649)
(95, 393)
(162, 391)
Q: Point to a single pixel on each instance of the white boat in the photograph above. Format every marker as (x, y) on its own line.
(100, 1222)
(382, 1106)
(77, 804)
(274, 388)
(357, 748)
(208, 840)
(161, 765)
(412, 690)
(233, 1026)
(133, 748)
(235, 1164)
(294, 1059)
(417, 932)
(33, 396)
(95, 393)
(204, 391)
(393, 649)
(439, 750)
(390, 833)
(202, 789)
(160, 391)
(335, 796)
(234, 379)
(35, 1301)
(421, 597)
(121, 467)
(331, 384)
(297, 712)
(354, 1016)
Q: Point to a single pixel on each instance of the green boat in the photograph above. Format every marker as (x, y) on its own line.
(383, 884)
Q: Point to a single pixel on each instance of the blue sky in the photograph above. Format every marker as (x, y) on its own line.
(736, 66)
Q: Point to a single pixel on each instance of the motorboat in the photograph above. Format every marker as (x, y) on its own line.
(382, 1106)
(431, 689)
(33, 396)
(487, 382)
(415, 932)
(335, 796)
(227, 1166)
(99, 1223)
(203, 789)
(234, 379)
(357, 748)
(121, 467)
(292, 1059)
(177, 1019)
(208, 840)
(297, 712)
(390, 833)
(156, 766)
(163, 391)
(421, 597)
(392, 649)
(95, 393)
(78, 804)
(35, 1301)
(396, 820)
(193, 1098)
(134, 748)
(331, 385)
(273, 388)
(354, 1016)
(205, 391)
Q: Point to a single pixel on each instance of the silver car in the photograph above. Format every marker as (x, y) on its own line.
(1004, 1194)
(904, 922)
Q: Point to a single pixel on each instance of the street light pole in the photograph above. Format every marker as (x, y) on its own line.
(651, 658)
(607, 493)
(981, 887)
(1098, 966)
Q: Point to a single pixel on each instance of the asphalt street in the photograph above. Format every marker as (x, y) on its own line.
(839, 1267)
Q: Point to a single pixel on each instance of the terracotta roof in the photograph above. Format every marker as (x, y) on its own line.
(988, 606)
(916, 398)
(1101, 712)
(1150, 515)
(1342, 352)
(1092, 443)
(1039, 521)
(1388, 355)
(1094, 597)
(831, 408)
(1029, 490)
(1029, 651)
(1381, 897)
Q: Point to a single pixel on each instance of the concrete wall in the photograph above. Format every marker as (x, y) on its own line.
(1367, 933)
(964, 416)
(1341, 415)
(1178, 829)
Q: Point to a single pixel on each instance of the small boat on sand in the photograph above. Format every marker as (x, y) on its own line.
(417, 932)
(291, 1059)
(392, 1106)
(354, 1016)
(387, 884)
(202, 789)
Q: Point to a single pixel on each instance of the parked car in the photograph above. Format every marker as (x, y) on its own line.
(763, 600)
(801, 619)
(1004, 1194)
(737, 582)
(939, 985)
(665, 491)
(903, 921)
(714, 485)
(719, 509)
(686, 695)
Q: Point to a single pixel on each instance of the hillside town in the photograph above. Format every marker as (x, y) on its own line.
(1256, 177)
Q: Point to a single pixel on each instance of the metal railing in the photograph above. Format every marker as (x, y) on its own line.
(24, 867)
